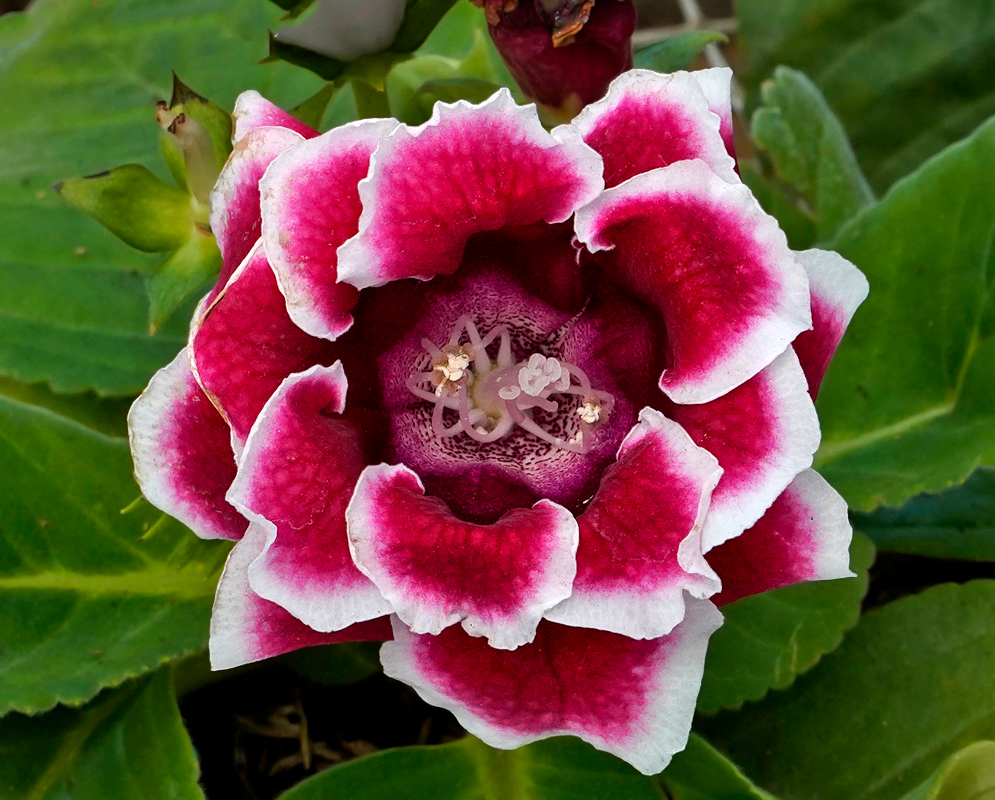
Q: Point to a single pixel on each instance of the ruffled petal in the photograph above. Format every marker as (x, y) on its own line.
(235, 219)
(310, 206)
(295, 479)
(252, 111)
(764, 432)
(717, 268)
(804, 536)
(640, 537)
(437, 570)
(634, 698)
(245, 344)
(469, 169)
(246, 628)
(716, 85)
(648, 120)
(182, 451)
(838, 288)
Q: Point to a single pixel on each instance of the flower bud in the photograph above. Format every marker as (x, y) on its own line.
(198, 130)
(563, 53)
(346, 29)
(133, 204)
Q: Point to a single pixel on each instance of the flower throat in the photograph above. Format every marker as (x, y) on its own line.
(494, 395)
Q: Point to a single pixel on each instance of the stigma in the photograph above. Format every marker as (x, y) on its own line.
(493, 394)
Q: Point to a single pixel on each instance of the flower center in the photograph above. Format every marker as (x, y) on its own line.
(492, 394)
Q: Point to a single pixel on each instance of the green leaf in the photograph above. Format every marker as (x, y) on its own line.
(78, 85)
(458, 47)
(465, 73)
(107, 416)
(906, 406)
(967, 775)
(906, 77)
(910, 685)
(700, 772)
(88, 596)
(675, 53)
(311, 111)
(133, 204)
(128, 744)
(554, 769)
(336, 663)
(420, 19)
(79, 81)
(462, 34)
(74, 309)
(769, 639)
(405, 80)
(810, 151)
(958, 523)
(781, 203)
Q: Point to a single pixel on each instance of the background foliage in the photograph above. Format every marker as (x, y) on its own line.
(870, 131)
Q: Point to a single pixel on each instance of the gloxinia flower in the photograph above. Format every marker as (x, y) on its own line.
(528, 404)
(563, 53)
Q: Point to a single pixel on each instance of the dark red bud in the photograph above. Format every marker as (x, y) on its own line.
(564, 53)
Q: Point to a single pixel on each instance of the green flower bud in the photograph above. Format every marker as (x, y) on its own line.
(134, 205)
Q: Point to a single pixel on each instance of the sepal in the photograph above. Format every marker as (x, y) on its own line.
(201, 132)
(189, 268)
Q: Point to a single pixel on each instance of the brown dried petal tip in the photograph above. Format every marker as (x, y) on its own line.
(180, 119)
(493, 9)
(569, 20)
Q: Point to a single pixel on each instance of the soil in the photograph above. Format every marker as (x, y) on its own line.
(259, 733)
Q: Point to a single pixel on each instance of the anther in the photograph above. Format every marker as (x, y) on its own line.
(590, 411)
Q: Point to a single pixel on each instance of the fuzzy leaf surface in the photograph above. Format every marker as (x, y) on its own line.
(906, 405)
(87, 600)
(768, 639)
(910, 686)
(907, 77)
(128, 744)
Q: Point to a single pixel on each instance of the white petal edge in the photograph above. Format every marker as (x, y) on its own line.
(501, 634)
(650, 615)
(358, 260)
(361, 605)
(290, 162)
(768, 339)
(667, 723)
(799, 438)
(684, 88)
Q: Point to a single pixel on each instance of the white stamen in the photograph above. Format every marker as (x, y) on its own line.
(456, 364)
(590, 411)
(538, 373)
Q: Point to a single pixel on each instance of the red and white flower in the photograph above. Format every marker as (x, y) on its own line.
(542, 399)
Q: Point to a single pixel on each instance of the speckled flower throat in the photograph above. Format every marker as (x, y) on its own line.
(476, 375)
